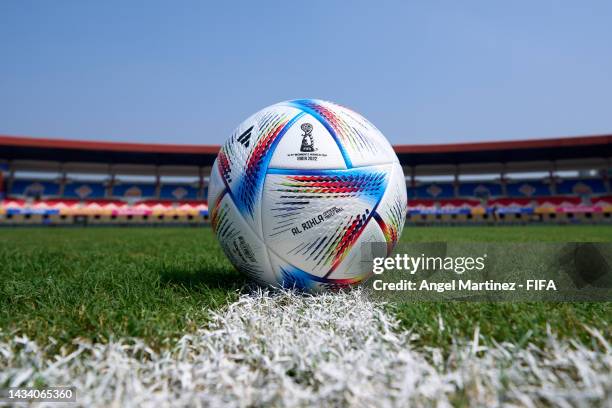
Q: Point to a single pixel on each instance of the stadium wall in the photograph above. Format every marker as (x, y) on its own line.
(39, 183)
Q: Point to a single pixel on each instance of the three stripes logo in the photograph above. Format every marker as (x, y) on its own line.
(245, 137)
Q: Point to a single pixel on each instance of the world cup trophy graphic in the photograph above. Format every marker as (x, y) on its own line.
(307, 139)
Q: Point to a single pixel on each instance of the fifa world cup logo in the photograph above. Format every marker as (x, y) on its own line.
(307, 139)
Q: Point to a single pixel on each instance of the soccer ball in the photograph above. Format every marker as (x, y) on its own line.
(303, 193)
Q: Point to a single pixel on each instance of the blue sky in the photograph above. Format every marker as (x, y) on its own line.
(190, 71)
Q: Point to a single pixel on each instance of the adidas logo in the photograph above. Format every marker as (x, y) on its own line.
(245, 137)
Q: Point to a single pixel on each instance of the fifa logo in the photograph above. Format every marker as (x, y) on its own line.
(307, 139)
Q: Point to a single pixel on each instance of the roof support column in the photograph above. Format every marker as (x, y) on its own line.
(503, 180)
(412, 180)
(606, 176)
(62, 181)
(111, 182)
(201, 183)
(157, 183)
(456, 182)
(11, 178)
(552, 178)
(2, 168)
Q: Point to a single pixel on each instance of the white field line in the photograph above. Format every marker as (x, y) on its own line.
(329, 350)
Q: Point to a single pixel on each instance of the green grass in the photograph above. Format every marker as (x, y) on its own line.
(530, 233)
(506, 321)
(159, 283)
(101, 282)
(512, 322)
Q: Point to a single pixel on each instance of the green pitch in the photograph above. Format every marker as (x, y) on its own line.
(160, 283)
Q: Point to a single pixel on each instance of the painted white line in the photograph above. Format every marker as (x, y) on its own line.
(327, 350)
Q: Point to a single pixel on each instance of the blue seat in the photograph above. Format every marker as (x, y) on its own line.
(34, 188)
(582, 186)
(134, 190)
(475, 189)
(178, 192)
(435, 190)
(84, 189)
(527, 188)
(411, 192)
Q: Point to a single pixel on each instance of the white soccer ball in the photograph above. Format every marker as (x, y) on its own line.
(297, 191)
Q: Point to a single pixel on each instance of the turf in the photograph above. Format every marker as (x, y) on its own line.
(532, 233)
(100, 283)
(329, 350)
(514, 322)
(160, 283)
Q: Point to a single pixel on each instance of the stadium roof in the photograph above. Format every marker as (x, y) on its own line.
(537, 154)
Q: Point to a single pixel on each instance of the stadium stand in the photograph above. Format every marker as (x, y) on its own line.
(134, 190)
(527, 188)
(59, 199)
(432, 190)
(480, 189)
(582, 186)
(34, 188)
(178, 192)
(84, 190)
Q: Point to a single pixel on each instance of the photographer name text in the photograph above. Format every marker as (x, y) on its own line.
(464, 285)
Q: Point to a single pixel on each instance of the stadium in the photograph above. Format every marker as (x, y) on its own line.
(53, 182)
(145, 304)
